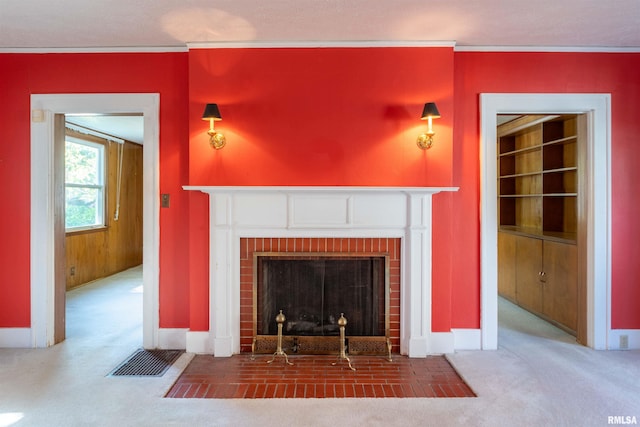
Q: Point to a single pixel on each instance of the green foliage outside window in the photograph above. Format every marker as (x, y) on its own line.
(84, 184)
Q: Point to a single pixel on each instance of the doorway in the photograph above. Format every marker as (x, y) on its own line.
(598, 248)
(541, 225)
(45, 264)
(103, 219)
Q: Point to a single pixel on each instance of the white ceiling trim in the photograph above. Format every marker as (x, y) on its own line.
(138, 49)
(320, 44)
(567, 49)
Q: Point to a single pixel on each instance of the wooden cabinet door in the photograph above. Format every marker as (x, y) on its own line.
(560, 295)
(507, 266)
(529, 267)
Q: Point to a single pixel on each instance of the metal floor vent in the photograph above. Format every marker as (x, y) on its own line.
(147, 363)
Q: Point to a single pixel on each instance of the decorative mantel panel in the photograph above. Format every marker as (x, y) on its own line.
(392, 212)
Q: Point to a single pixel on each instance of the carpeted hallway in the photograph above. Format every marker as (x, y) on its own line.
(537, 377)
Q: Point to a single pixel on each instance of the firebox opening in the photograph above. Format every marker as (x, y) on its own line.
(314, 290)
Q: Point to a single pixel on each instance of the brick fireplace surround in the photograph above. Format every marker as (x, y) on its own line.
(309, 216)
(317, 245)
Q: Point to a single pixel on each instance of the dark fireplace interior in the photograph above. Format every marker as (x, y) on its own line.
(313, 291)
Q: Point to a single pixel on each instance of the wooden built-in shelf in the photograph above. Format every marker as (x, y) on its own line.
(538, 175)
(539, 192)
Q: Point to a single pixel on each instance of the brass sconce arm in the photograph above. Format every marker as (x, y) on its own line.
(212, 113)
(430, 112)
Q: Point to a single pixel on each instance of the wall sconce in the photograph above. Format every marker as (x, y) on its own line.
(212, 113)
(429, 112)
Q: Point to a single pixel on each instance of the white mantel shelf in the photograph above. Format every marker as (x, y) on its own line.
(304, 211)
(320, 189)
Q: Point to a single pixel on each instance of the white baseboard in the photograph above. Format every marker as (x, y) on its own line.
(222, 347)
(417, 347)
(471, 339)
(467, 339)
(616, 337)
(198, 342)
(441, 343)
(15, 338)
(172, 338)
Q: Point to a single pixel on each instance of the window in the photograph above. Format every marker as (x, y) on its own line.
(84, 184)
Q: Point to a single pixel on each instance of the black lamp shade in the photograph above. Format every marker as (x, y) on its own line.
(211, 111)
(430, 110)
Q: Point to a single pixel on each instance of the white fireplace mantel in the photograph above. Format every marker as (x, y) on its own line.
(393, 212)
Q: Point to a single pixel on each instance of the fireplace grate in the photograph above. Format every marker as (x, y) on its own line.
(267, 344)
(147, 363)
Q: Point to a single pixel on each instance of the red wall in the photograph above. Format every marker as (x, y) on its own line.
(325, 116)
(318, 117)
(617, 74)
(26, 74)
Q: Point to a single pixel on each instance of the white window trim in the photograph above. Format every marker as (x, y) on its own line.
(103, 184)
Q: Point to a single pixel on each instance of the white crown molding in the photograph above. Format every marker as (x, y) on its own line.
(561, 49)
(320, 44)
(128, 49)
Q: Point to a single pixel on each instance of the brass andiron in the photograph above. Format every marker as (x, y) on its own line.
(280, 320)
(342, 322)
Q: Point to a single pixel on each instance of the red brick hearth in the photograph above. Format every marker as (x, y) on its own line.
(313, 376)
(248, 246)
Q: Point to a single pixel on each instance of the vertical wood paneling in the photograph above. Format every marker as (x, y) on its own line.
(507, 262)
(100, 253)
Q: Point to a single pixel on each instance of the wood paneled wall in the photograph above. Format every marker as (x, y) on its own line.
(91, 255)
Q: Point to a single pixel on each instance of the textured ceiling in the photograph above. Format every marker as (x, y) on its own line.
(143, 24)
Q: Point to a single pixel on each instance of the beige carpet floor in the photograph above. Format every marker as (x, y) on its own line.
(539, 376)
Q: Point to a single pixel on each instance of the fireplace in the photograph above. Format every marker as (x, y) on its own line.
(315, 220)
(314, 281)
(316, 290)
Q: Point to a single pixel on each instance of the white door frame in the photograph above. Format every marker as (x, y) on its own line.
(598, 110)
(43, 110)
